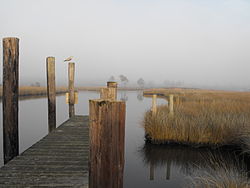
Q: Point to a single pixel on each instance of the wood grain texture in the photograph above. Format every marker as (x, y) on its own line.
(10, 98)
(154, 104)
(107, 131)
(58, 160)
(108, 93)
(71, 75)
(51, 93)
(113, 89)
(171, 104)
(71, 110)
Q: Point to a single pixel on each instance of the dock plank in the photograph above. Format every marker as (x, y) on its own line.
(58, 160)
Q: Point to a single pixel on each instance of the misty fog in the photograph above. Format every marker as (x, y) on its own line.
(188, 43)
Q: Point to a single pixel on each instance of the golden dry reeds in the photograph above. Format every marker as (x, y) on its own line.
(220, 175)
(33, 91)
(221, 178)
(202, 119)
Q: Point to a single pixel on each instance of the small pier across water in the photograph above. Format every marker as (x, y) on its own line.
(67, 156)
(60, 159)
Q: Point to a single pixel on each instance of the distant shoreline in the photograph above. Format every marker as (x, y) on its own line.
(37, 92)
(33, 91)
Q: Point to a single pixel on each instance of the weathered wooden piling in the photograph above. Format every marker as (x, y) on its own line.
(71, 110)
(113, 89)
(10, 98)
(154, 104)
(107, 131)
(171, 104)
(110, 92)
(51, 93)
(71, 88)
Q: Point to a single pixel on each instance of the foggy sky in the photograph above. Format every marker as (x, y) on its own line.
(195, 41)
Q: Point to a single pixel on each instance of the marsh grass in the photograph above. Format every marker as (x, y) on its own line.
(33, 91)
(221, 175)
(202, 119)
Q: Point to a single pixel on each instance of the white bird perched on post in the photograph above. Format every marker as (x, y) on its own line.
(69, 58)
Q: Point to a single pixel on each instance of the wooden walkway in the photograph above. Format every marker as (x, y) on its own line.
(58, 160)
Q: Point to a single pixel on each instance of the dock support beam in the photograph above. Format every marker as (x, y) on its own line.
(107, 131)
(51, 93)
(71, 77)
(171, 105)
(113, 89)
(154, 105)
(10, 98)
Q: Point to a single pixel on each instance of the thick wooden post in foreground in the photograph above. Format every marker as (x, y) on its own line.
(171, 104)
(106, 131)
(71, 88)
(51, 93)
(10, 98)
(110, 92)
(154, 104)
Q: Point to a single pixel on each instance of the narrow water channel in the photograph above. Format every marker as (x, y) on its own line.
(146, 165)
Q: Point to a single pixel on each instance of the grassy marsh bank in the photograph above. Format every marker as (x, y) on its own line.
(221, 175)
(41, 91)
(202, 118)
(25, 91)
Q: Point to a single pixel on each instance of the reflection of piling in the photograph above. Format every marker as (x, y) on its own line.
(168, 170)
(151, 171)
(171, 104)
(154, 104)
(107, 131)
(51, 93)
(10, 98)
(110, 92)
(71, 77)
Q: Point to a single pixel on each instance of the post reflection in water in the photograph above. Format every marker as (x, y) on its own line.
(191, 161)
(124, 96)
(140, 95)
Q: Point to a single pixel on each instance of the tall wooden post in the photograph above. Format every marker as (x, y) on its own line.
(171, 104)
(106, 132)
(51, 93)
(71, 76)
(110, 92)
(10, 98)
(154, 104)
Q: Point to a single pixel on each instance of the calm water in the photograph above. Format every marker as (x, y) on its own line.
(146, 166)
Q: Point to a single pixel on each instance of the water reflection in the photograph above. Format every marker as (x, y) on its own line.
(124, 96)
(190, 161)
(140, 95)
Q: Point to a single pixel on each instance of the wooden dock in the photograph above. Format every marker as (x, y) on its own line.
(58, 160)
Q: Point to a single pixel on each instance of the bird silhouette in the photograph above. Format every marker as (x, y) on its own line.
(69, 58)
